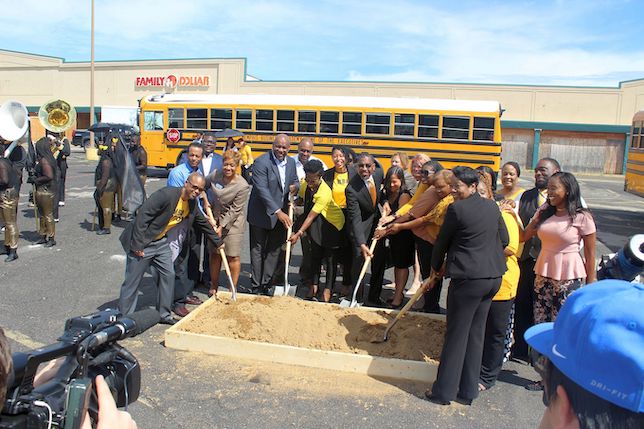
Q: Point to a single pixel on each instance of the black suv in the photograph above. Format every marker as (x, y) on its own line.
(80, 138)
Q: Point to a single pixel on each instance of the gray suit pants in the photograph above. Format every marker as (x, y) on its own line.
(265, 246)
(158, 256)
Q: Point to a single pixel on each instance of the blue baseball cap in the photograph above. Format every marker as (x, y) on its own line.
(598, 341)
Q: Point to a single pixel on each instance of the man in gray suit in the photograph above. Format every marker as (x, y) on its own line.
(274, 176)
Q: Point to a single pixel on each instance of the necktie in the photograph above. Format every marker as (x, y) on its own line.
(372, 191)
(542, 198)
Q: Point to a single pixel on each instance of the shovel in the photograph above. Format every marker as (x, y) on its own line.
(426, 286)
(224, 261)
(287, 289)
(353, 303)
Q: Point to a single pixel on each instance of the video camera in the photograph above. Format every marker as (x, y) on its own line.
(88, 348)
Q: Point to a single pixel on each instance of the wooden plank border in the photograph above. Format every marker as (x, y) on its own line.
(373, 366)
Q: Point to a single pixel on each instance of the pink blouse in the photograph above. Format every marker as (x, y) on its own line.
(559, 258)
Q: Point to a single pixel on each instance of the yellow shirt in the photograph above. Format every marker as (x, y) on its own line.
(510, 279)
(340, 182)
(325, 205)
(435, 218)
(246, 155)
(180, 213)
(422, 187)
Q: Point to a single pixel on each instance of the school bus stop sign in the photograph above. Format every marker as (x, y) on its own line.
(173, 135)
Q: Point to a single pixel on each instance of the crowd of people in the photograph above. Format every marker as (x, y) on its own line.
(513, 256)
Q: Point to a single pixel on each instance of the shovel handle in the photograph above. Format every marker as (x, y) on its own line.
(224, 261)
(421, 290)
(363, 271)
(287, 253)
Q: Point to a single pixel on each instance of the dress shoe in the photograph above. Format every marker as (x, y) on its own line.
(435, 399)
(181, 310)
(167, 320)
(12, 255)
(42, 240)
(193, 300)
(463, 401)
(50, 243)
(244, 289)
(103, 231)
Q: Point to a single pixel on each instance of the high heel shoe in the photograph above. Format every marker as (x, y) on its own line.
(435, 399)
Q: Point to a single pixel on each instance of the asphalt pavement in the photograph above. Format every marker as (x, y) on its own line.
(83, 273)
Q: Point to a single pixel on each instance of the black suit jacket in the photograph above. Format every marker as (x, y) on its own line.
(153, 216)
(528, 205)
(473, 236)
(362, 214)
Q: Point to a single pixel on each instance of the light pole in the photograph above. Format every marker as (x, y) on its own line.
(91, 152)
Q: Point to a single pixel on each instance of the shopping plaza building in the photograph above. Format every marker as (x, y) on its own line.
(586, 128)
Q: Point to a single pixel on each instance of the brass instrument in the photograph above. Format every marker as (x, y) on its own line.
(14, 122)
(57, 115)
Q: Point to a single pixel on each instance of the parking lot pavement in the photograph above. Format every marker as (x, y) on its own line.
(188, 390)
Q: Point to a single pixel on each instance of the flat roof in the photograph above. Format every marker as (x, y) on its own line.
(329, 101)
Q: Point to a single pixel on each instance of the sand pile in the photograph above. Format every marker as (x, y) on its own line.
(290, 321)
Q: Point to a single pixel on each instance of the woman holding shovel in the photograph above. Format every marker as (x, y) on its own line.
(225, 206)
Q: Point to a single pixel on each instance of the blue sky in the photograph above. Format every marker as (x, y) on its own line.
(591, 42)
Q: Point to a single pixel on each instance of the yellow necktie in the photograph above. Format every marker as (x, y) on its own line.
(542, 199)
(372, 191)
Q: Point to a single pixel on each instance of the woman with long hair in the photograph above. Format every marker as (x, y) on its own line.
(562, 224)
(225, 206)
(45, 181)
(400, 159)
(247, 159)
(393, 196)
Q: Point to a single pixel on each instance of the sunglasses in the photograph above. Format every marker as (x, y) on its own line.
(427, 172)
(193, 186)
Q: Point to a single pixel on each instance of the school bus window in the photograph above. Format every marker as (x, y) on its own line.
(175, 118)
(351, 123)
(456, 127)
(221, 118)
(404, 124)
(483, 129)
(306, 121)
(329, 122)
(264, 120)
(197, 118)
(378, 123)
(428, 126)
(244, 119)
(153, 121)
(285, 120)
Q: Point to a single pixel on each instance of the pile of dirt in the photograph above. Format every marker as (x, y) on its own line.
(293, 322)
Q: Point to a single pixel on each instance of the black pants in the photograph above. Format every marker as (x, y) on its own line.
(495, 330)
(523, 308)
(432, 297)
(468, 302)
(321, 255)
(265, 246)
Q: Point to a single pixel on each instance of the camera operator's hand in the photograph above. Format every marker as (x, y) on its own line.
(109, 417)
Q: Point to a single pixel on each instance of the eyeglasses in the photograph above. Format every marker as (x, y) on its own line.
(193, 186)
(365, 165)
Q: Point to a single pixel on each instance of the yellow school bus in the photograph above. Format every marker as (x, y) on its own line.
(454, 132)
(634, 180)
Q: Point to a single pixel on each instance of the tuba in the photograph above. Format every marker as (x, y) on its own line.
(14, 122)
(57, 115)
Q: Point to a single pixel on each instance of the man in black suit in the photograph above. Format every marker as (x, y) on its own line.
(473, 236)
(274, 176)
(146, 244)
(363, 214)
(530, 201)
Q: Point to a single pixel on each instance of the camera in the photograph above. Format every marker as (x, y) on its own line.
(626, 264)
(88, 347)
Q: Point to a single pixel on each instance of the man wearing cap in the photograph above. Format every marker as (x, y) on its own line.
(591, 358)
